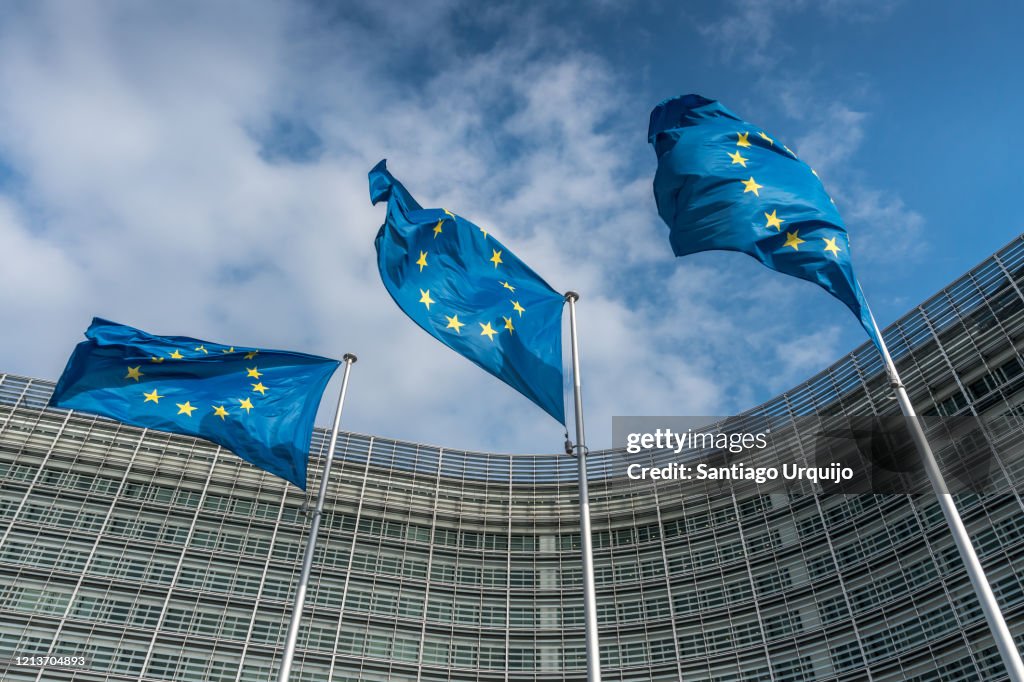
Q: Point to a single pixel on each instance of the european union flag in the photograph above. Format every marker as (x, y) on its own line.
(461, 285)
(723, 183)
(260, 404)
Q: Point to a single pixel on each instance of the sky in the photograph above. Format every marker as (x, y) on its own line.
(199, 169)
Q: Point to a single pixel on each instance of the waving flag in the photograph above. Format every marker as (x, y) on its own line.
(468, 291)
(723, 183)
(260, 404)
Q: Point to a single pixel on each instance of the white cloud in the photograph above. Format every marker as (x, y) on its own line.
(835, 133)
(883, 228)
(757, 33)
(39, 290)
(833, 128)
(746, 32)
(146, 199)
(859, 10)
(888, 231)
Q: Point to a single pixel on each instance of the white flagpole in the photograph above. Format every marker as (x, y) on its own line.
(307, 559)
(589, 592)
(996, 623)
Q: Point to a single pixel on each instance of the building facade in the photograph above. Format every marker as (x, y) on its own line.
(154, 556)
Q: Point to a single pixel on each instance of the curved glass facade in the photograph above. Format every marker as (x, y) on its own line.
(156, 557)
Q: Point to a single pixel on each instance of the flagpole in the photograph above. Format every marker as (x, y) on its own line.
(996, 622)
(586, 540)
(307, 559)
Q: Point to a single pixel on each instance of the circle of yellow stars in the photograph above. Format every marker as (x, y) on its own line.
(245, 405)
(772, 219)
(452, 322)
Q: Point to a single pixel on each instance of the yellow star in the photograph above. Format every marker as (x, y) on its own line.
(437, 228)
(482, 230)
(751, 186)
(229, 350)
(766, 138)
(487, 330)
(134, 373)
(422, 262)
(793, 239)
(251, 354)
(185, 408)
(203, 348)
(156, 359)
(425, 298)
(739, 158)
(244, 405)
(508, 286)
(508, 323)
(253, 372)
(176, 355)
(774, 221)
(518, 308)
(219, 411)
(152, 397)
(742, 141)
(815, 173)
(830, 245)
(791, 153)
(449, 213)
(453, 323)
(496, 258)
(259, 388)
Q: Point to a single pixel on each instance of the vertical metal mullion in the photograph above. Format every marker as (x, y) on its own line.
(945, 356)
(971, 402)
(3, 424)
(840, 579)
(1013, 343)
(1009, 277)
(430, 563)
(668, 581)
(508, 576)
(920, 518)
(39, 472)
(351, 556)
(986, 302)
(943, 577)
(99, 536)
(862, 375)
(181, 560)
(263, 580)
(753, 585)
(842, 588)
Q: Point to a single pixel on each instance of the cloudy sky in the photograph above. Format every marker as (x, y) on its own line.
(200, 169)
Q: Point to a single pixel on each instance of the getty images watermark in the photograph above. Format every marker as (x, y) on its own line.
(833, 454)
(717, 441)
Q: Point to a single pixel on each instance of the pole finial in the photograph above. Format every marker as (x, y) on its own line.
(572, 296)
(350, 358)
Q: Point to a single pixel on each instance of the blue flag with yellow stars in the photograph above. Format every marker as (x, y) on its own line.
(723, 183)
(260, 404)
(467, 290)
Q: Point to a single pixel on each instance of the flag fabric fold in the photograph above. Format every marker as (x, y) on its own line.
(260, 404)
(471, 293)
(725, 184)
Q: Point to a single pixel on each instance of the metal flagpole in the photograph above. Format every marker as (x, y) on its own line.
(307, 559)
(996, 623)
(589, 593)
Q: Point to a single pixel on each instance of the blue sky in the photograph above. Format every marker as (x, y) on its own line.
(201, 170)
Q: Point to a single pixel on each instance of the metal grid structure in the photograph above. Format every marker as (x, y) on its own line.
(158, 557)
